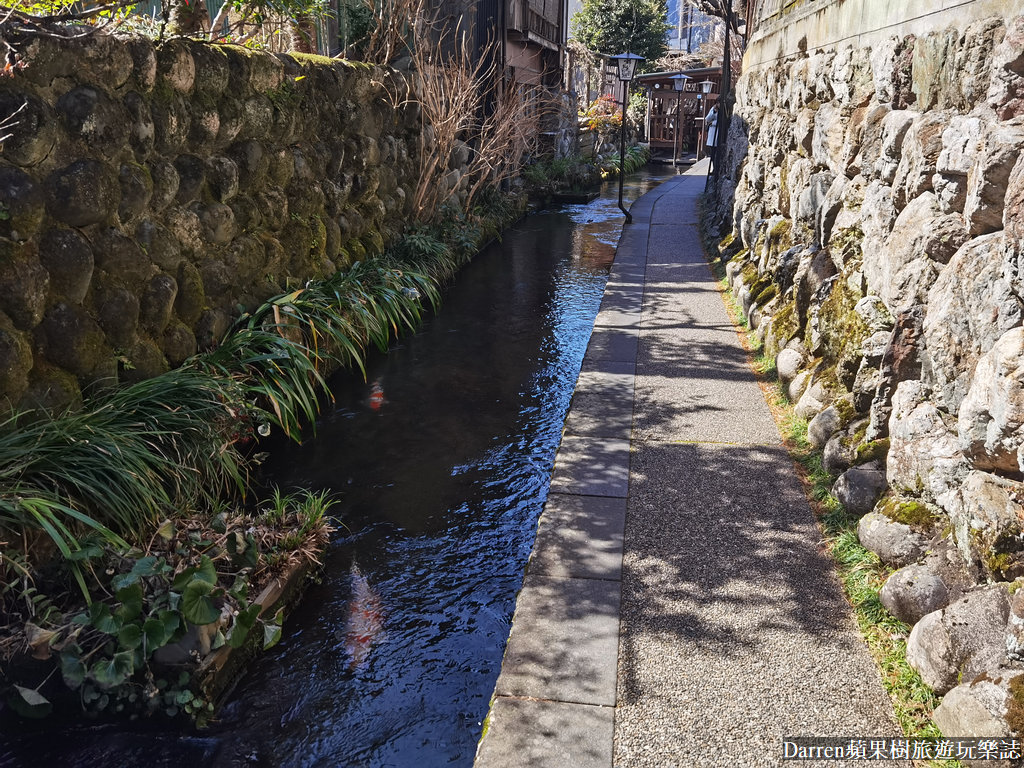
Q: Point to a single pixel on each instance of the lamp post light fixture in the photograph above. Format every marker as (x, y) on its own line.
(626, 64)
(705, 89)
(678, 83)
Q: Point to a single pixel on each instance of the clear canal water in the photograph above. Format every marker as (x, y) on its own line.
(441, 461)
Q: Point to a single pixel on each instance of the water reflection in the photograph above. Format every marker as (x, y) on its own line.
(441, 459)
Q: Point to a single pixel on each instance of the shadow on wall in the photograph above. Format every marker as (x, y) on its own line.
(722, 186)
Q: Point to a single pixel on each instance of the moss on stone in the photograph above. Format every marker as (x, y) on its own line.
(162, 92)
(842, 329)
(998, 564)
(826, 376)
(845, 410)
(1003, 557)
(912, 512)
(318, 237)
(846, 243)
(306, 59)
(760, 284)
(749, 273)
(373, 242)
(858, 434)
(1015, 704)
(351, 64)
(784, 325)
(766, 294)
(871, 451)
(781, 235)
(356, 250)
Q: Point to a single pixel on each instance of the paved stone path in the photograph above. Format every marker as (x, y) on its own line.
(677, 610)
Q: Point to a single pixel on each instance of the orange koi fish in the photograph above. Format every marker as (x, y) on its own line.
(376, 399)
(365, 619)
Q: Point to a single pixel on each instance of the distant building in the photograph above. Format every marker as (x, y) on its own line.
(535, 33)
(690, 28)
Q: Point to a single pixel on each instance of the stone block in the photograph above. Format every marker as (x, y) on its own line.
(962, 641)
(82, 193)
(68, 259)
(970, 306)
(22, 200)
(24, 284)
(895, 543)
(912, 592)
(990, 421)
(858, 488)
(924, 452)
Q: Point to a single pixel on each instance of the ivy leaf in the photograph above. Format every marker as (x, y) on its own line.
(251, 557)
(72, 669)
(28, 702)
(240, 589)
(131, 602)
(271, 635)
(101, 618)
(144, 566)
(130, 637)
(160, 629)
(171, 621)
(123, 580)
(206, 571)
(166, 530)
(196, 605)
(272, 630)
(182, 579)
(244, 622)
(218, 641)
(109, 673)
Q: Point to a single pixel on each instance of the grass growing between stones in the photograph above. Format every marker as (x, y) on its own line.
(860, 571)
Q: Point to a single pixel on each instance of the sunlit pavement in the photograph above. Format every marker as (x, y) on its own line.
(677, 609)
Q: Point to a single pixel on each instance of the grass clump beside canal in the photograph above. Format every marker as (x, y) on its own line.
(575, 174)
(860, 571)
(132, 543)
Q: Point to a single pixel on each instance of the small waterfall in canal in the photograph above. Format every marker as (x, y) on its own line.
(441, 459)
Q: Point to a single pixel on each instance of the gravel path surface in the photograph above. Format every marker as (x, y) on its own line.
(734, 631)
(678, 610)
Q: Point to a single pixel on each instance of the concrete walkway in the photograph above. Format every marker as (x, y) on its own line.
(677, 608)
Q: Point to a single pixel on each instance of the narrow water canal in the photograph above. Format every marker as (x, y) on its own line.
(441, 461)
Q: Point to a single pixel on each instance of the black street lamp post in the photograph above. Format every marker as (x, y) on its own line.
(705, 89)
(626, 64)
(678, 83)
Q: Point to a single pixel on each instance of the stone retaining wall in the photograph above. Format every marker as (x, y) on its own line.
(782, 29)
(875, 198)
(147, 191)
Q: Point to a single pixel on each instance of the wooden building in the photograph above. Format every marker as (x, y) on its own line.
(675, 119)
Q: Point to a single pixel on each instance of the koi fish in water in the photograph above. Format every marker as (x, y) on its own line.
(376, 400)
(365, 621)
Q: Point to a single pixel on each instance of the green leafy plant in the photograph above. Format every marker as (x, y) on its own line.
(634, 159)
(571, 173)
(191, 593)
(616, 26)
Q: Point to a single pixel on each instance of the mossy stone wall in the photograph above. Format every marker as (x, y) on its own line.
(149, 191)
